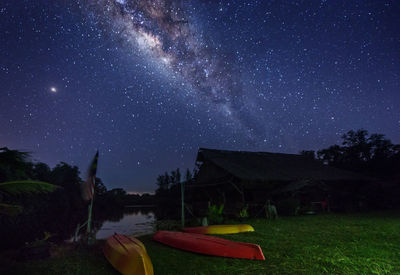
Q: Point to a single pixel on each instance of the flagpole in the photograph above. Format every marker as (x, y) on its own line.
(89, 216)
(88, 189)
(89, 221)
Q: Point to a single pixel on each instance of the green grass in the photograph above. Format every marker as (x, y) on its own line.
(330, 244)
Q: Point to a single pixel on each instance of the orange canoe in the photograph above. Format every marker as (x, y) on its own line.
(209, 245)
(220, 229)
(128, 255)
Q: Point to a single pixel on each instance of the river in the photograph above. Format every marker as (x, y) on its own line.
(136, 222)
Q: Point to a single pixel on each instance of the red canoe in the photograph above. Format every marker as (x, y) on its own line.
(209, 245)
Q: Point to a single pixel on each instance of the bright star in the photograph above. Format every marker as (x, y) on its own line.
(53, 89)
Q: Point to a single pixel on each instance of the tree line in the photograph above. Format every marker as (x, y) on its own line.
(168, 181)
(373, 155)
(168, 192)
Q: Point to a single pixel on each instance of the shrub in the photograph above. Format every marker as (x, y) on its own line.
(243, 213)
(215, 214)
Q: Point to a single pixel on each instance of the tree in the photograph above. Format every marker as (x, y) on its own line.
(15, 171)
(381, 148)
(162, 183)
(41, 171)
(309, 154)
(333, 155)
(188, 175)
(14, 165)
(67, 176)
(117, 192)
(374, 155)
(177, 176)
(99, 187)
(356, 146)
(23, 187)
(116, 197)
(173, 179)
(167, 180)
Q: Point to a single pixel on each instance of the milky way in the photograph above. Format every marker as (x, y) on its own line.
(163, 31)
(149, 82)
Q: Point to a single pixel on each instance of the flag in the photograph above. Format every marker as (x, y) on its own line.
(88, 186)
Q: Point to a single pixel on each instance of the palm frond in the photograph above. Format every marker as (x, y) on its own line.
(10, 209)
(26, 187)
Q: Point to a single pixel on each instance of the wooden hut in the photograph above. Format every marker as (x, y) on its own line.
(238, 178)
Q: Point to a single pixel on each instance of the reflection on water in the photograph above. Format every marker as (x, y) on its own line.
(132, 222)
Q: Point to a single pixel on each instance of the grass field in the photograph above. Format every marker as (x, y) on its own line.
(330, 244)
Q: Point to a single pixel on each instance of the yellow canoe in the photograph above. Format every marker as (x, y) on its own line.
(128, 255)
(220, 229)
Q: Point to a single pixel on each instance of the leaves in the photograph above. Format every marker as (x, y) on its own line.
(27, 187)
(215, 213)
(14, 164)
(372, 155)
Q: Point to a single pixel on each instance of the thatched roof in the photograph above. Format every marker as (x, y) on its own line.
(263, 166)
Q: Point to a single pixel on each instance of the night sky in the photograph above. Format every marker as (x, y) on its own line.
(149, 82)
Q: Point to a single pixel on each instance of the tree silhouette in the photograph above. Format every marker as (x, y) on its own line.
(14, 165)
(309, 154)
(15, 171)
(188, 175)
(22, 187)
(373, 155)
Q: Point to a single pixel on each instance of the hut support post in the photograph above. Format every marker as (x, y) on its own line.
(238, 189)
(183, 204)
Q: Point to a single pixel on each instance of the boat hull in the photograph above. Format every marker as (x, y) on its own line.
(128, 255)
(209, 245)
(220, 229)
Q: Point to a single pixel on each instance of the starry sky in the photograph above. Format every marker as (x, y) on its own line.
(149, 82)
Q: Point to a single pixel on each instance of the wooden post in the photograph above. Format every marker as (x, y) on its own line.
(183, 204)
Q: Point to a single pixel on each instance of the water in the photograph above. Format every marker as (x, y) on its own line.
(137, 223)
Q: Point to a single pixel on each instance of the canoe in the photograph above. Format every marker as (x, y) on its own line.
(220, 229)
(209, 245)
(128, 255)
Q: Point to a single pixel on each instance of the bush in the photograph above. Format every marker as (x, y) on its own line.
(243, 213)
(215, 214)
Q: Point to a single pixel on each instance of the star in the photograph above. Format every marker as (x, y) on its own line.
(143, 77)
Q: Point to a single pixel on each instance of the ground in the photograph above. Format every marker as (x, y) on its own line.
(332, 243)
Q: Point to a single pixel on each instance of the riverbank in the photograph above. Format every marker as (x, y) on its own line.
(333, 243)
